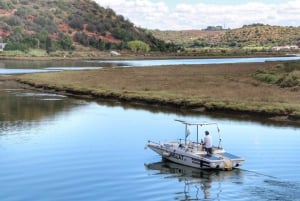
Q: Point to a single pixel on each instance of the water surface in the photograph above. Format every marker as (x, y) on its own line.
(162, 62)
(21, 67)
(57, 148)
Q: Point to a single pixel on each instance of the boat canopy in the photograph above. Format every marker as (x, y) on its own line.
(197, 124)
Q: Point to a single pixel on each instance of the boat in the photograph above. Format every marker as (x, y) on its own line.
(193, 153)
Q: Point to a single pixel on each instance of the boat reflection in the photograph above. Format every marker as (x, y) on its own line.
(198, 183)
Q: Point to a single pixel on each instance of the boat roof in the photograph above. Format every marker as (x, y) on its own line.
(196, 123)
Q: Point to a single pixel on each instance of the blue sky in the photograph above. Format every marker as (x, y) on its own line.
(198, 14)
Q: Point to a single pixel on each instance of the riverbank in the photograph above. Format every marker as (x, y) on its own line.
(91, 54)
(229, 88)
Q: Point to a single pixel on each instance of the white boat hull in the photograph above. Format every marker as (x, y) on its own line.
(194, 156)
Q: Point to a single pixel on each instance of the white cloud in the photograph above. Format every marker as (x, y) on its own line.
(160, 15)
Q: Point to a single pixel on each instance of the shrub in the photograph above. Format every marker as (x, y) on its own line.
(81, 38)
(288, 81)
(76, 22)
(286, 75)
(137, 46)
(3, 4)
(91, 27)
(291, 66)
(266, 77)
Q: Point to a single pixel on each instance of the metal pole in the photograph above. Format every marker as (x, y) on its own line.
(197, 135)
(185, 134)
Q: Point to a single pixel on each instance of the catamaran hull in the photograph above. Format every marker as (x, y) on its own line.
(204, 161)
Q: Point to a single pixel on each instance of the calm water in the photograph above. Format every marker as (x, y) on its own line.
(142, 63)
(57, 148)
(17, 67)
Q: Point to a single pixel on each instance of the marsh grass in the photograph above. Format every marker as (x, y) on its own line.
(286, 74)
(228, 87)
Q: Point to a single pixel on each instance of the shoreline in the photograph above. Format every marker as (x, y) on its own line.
(167, 105)
(154, 56)
(178, 88)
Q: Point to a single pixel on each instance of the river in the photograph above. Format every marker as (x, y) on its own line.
(54, 147)
(20, 67)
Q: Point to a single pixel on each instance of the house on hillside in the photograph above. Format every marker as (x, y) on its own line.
(285, 48)
(2, 46)
(114, 53)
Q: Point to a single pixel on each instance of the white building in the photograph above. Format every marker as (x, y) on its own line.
(287, 47)
(114, 53)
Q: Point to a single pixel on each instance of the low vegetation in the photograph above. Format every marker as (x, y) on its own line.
(286, 75)
(225, 87)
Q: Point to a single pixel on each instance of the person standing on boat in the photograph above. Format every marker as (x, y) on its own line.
(208, 143)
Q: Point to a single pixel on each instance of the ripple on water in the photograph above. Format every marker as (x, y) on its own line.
(95, 152)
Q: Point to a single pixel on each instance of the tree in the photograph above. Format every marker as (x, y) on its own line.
(48, 45)
(14, 21)
(42, 36)
(66, 43)
(81, 38)
(137, 46)
(76, 22)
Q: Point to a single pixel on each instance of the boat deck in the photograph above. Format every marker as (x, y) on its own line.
(230, 156)
(211, 157)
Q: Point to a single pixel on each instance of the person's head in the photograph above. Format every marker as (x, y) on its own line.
(206, 133)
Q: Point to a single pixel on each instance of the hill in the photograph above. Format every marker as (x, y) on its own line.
(255, 35)
(65, 24)
(262, 35)
(189, 38)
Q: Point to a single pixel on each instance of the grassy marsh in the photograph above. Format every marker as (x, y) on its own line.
(222, 87)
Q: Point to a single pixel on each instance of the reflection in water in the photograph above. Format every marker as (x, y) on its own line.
(237, 184)
(155, 109)
(197, 182)
(22, 109)
(57, 148)
(27, 64)
(10, 67)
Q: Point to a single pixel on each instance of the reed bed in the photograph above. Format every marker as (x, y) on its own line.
(226, 87)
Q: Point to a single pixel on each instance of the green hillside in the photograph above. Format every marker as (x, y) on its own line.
(67, 25)
(255, 36)
(261, 35)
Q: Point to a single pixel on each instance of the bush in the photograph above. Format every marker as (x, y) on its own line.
(286, 75)
(266, 77)
(22, 12)
(76, 22)
(91, 28)
(66, 43)
(81, 38)
(3, 4)
(138, 46)
(289, 81)
(291, 66)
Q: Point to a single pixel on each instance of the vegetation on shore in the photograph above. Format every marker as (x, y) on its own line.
(285, 75)
(222, 87)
